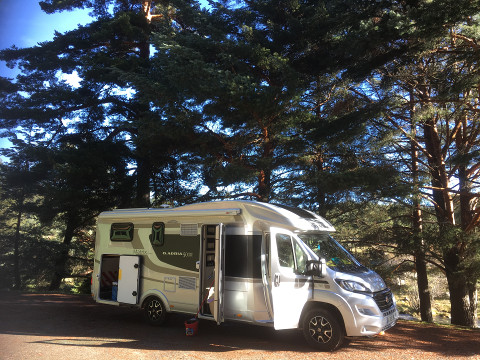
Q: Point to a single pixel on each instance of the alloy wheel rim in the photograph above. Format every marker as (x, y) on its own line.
(320, 329)
(154, 310)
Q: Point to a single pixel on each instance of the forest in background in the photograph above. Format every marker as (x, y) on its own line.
(365, 112)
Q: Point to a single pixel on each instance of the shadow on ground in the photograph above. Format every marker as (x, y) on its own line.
(73, 320)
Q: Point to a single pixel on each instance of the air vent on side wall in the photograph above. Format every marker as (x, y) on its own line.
(188, 283)
(188, 229)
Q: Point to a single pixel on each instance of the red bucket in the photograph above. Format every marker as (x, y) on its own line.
(191, 327)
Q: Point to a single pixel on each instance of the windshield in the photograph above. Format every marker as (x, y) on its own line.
(335, 255)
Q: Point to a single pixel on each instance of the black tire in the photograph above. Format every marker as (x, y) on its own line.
(154, 311)
(322, 330)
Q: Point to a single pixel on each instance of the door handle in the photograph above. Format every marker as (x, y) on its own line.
(276, 280)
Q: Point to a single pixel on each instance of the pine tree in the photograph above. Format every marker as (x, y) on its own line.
(239, 97)
(444, 129)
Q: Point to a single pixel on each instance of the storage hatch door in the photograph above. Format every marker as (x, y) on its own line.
(128, 279)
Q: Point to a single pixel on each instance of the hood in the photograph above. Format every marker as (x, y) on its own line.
(374, 280)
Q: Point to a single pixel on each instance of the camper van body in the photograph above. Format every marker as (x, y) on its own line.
(237, 260)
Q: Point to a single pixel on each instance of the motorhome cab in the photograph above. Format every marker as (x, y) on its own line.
(255, 262)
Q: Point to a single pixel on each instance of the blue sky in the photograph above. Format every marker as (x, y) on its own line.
(24, 24)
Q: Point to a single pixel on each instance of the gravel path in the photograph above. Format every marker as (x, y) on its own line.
(54, 326)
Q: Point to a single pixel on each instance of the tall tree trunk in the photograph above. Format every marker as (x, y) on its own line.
(420, 263)
(319, 165)
(265, 173)
(457, 277)
(463, 299)
(320, 193)
(62, 258)
(142, 198)
(16, 251)
(264, 185)
(423, 287)
(473, 296)
(438, 173)
(144, 169)
(467, 210)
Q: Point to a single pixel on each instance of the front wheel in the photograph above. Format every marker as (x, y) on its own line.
(322, 330)
(154, 311)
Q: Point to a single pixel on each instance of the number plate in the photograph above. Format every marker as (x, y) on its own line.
(389, 319)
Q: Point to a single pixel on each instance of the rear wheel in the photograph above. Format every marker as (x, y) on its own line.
(154, 311)
(322, 330)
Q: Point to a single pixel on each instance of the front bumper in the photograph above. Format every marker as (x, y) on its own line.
(372, 314)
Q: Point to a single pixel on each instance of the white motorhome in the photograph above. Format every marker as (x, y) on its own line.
(261, 263)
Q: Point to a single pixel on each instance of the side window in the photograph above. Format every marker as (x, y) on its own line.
(157, 237)
(294, 257)
(121, 232)
(301, 258)
(285, 251)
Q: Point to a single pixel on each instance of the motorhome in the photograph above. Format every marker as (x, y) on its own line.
(260, 263)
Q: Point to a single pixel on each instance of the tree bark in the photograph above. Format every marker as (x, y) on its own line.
(457, 277)
(421, 265)
(423, 288)
(440, 183)
(467, 207)
(463, 299)
(417, 224)
(321, 195)
(143, 182)
(144, 170)
(16, 251)
(62, 258)
(265, 173)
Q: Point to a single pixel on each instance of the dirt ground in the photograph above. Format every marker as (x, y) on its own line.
(54, 326)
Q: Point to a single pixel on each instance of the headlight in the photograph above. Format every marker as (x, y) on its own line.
(353, 286)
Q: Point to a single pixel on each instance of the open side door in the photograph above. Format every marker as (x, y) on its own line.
(212, 272)
(290, 288)
(128, 279)
(266, 275)
(219, 274)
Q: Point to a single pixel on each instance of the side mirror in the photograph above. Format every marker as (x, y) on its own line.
(317, 268)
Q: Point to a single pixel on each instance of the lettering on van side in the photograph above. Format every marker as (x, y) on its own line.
(141, 252)
(178, 253)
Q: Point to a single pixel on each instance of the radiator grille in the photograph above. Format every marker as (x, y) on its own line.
(384, 299)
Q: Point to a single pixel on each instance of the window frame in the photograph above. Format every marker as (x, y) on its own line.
(283, 237)
(160, 231)
(295, 246)
(116, 228)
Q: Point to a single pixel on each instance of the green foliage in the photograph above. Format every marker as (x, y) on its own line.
(36, 254)
(320, 105)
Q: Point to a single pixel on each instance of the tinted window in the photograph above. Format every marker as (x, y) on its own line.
(121, 232)
(158, 234)
(243, 256)
(291, 254)
(285, 251)
(301, 258)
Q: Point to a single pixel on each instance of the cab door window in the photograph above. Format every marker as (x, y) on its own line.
(290, 254)
(285, 251)
(300, 258)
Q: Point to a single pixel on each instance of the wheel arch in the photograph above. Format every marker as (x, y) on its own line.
(155, 294)
(313, 305)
